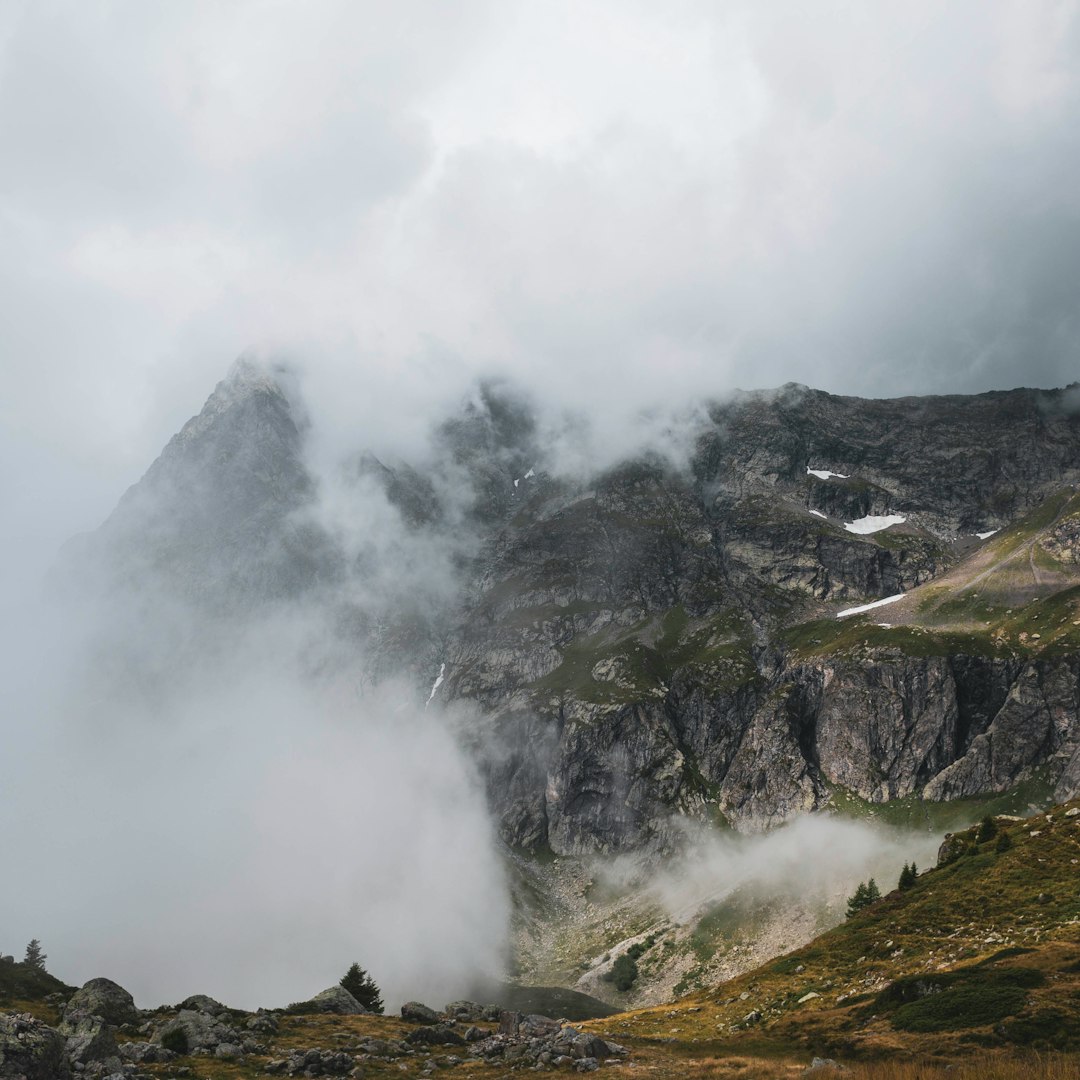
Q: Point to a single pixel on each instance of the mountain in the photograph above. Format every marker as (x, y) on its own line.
(664, 641)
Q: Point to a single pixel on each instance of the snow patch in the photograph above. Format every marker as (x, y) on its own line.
(516, 482)
(824, 474)
(873, 524)
(818, 513)
(869, 607)
(436, 684)
(529, 475)
(987, 535)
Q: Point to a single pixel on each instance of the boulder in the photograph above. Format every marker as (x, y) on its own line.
(336, 999)
(104, 998)
(469, 1011)
(31, 1050)
(88, 1037)
(201, 1031)
(421, 1014)
(203, 1003)
(535, 1026)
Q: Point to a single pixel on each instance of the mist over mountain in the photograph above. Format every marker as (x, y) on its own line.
(486, 649)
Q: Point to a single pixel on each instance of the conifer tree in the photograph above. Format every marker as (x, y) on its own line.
(35, 958)
(362, 987)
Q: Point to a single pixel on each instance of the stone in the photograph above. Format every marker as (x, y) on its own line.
(535, 1025)
(203, 1003)
(438, 1035)
(338, 1000)
(464, 1010)
(31, 1050)
(202, 1030)
(88, 1037)
(419, 1013)
(104, 998)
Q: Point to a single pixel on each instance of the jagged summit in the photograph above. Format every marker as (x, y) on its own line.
(653, 644)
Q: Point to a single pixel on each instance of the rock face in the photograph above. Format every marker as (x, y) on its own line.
(626, 637)
(31, 1050)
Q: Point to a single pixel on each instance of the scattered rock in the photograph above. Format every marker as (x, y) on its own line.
(809, 997)
(312, 1063)
(438, 1035)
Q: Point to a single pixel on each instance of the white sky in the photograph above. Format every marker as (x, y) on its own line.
(615, 202)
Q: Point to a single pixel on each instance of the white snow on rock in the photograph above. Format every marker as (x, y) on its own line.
(530, 474)
(987, 535)
(869, 607)
(436, 684)
(818, 513)
(873, 524)
(516, 482)
(824, 474)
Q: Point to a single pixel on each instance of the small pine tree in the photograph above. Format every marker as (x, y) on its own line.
(1004, 842)
(907, 877)
(362, 987)
(987, 830)
(35, 958)
(857, 901)
(873, 893)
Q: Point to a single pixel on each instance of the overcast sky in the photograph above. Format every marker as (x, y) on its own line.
(613, 201)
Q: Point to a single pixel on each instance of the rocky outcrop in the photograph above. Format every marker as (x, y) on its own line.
(31, 1050)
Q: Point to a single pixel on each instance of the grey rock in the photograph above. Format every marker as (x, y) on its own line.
(336, 999)
(31, 1050)
(437, 1035)
(88, 1037)
(420, 1013)
(464, 1010)
(104, 998)
(203, 1003)
(140, 1052)
(203, 1031)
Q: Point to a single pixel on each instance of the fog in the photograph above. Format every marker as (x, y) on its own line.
(624, 210)
(815, 860)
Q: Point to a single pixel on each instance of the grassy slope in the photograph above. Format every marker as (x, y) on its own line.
(997, 934)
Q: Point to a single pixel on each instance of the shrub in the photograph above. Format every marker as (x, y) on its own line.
(1004, 842)
(176, 1040)
(623, 973)
(362, 987)
(987, 830)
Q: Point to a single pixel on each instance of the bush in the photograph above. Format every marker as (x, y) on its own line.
(176, 1040)
(623, 973)
(1004, 842)
(362, 987)
(987, 830)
